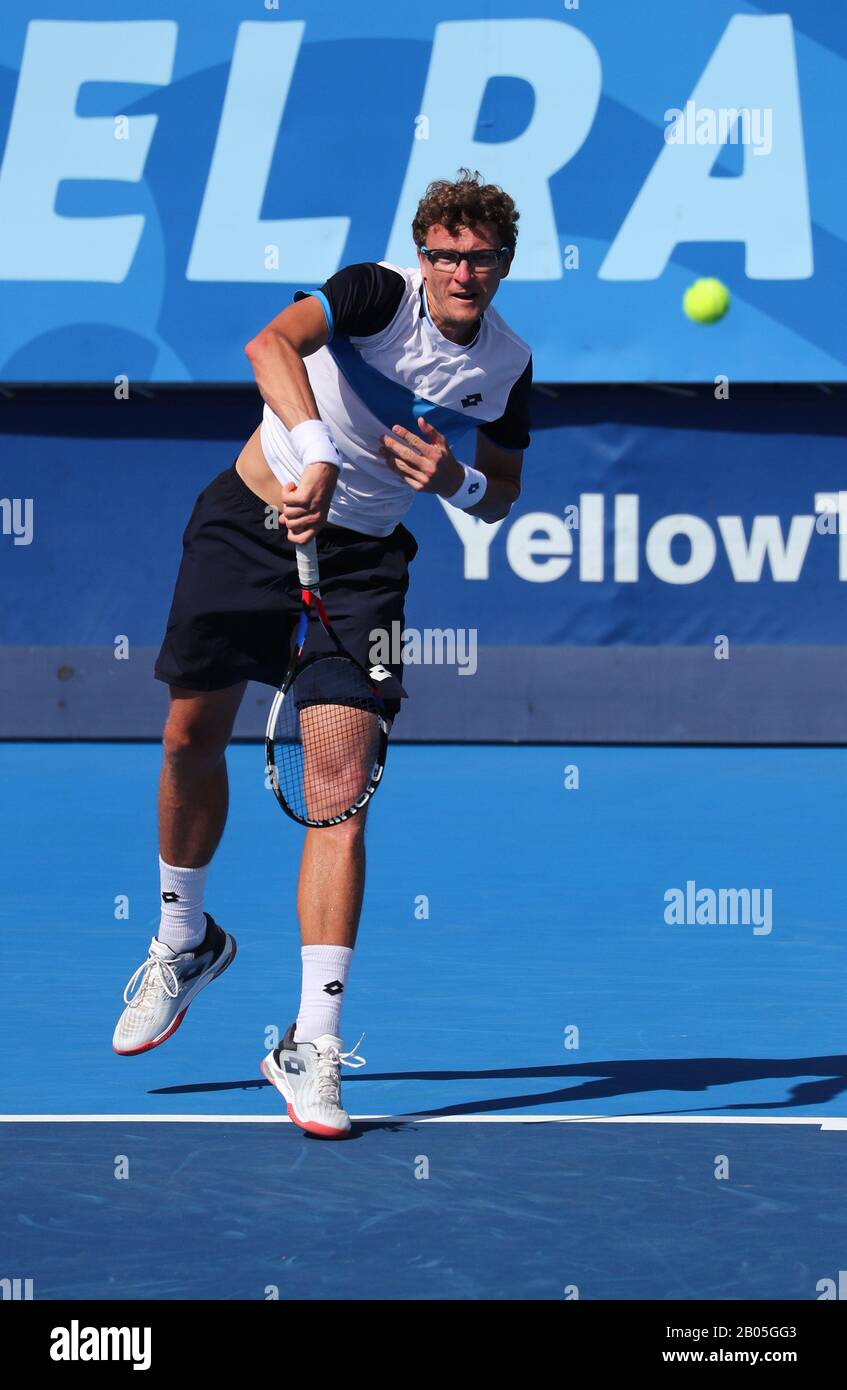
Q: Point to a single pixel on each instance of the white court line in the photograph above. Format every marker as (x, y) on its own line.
(822, 1121)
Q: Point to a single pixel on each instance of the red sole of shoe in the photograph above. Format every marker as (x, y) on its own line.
(157, 1042)
(309, 1126)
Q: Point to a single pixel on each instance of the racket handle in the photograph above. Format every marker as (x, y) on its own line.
(307, 567)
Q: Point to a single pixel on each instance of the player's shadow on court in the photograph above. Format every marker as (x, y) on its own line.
(610, 1080)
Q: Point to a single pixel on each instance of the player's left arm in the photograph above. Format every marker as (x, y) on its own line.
(427, 464)
(500, 446)
(502, 471)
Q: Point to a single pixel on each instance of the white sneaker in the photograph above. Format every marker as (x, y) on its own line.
(164, 987)
(307, 1076)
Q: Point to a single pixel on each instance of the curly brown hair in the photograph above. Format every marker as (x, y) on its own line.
(466, 202)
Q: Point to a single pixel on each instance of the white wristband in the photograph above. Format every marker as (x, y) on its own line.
(472, 490)
(314, 443)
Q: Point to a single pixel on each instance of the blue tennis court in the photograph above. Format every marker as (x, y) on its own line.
(564, 1090)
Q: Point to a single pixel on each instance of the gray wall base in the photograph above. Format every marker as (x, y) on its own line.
(518, 694)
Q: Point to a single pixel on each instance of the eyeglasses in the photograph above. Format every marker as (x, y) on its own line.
(486, 259)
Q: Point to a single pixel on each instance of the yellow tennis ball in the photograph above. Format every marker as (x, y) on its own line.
(706, 301)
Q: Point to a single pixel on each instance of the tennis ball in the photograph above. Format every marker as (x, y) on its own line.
(706, 301)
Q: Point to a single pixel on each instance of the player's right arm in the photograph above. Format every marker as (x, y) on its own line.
(361, 299)
(276, 356)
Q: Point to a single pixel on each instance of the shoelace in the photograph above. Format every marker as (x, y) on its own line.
(329, 1077)
(154, 973)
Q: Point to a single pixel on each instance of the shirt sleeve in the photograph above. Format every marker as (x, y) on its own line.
(359, 300)
(511, 431)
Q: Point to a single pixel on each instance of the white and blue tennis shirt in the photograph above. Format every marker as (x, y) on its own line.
(386, 363)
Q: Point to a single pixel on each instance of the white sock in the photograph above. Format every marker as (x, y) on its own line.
(183, 922)
(325, 970)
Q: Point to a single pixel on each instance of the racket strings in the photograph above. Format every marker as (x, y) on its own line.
(327, 740)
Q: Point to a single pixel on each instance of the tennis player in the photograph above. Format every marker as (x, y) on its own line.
(364, 380)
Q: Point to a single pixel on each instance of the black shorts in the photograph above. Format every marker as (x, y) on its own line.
(237, 595)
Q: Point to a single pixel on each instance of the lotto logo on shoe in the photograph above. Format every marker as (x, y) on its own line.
(334, 987)
(77, 1343)
(295, 1066)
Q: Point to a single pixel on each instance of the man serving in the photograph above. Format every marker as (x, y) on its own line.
(364, 380)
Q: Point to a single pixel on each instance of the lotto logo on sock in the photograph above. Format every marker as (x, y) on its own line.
(170, 897)
(334, 987)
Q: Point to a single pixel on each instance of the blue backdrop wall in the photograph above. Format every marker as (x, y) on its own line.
(674, 569)
(170, 172)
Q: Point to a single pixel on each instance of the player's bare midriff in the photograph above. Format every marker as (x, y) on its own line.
(252, 468)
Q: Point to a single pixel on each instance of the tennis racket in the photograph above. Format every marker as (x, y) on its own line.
(327, 733)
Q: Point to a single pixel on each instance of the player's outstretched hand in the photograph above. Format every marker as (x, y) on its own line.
(305, 507)
(426, 464)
